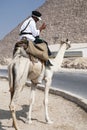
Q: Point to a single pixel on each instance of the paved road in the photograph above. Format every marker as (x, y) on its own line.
(73, 82)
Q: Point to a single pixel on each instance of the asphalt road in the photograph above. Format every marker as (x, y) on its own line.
(75, 83)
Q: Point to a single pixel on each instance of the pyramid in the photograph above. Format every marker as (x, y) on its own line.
(64, 19)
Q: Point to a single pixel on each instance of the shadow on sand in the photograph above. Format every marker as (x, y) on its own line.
(21, 115)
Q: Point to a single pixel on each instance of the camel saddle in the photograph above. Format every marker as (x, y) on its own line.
(37, 50)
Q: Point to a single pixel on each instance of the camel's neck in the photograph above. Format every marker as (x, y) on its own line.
(57, 62)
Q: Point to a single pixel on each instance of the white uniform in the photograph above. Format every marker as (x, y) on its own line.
(31, 28)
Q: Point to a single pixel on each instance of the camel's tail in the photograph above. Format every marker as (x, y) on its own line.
(10, 74)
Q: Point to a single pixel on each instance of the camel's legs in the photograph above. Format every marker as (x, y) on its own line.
(13, 102)
(12, 109)
(32, 99)
(14, 95)
(18, 83)
(48, 80)
(13, 106)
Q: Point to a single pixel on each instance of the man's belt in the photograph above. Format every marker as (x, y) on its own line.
(23, 33)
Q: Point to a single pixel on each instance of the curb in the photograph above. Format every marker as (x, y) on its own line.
(81, 102)
(69, 96)
(72, 70)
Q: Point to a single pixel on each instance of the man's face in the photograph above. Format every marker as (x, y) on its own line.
(36, 19)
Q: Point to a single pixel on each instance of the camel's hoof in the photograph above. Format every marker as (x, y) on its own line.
(28, 121)
(16, 127)
(49, 122)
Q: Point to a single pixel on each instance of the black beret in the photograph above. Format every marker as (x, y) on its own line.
(37, 14)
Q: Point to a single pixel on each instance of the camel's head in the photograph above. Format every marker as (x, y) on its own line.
(68, 43)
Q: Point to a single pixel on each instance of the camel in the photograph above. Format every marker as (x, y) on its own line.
(19, 70)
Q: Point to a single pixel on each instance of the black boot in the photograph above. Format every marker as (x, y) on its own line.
(48, 63)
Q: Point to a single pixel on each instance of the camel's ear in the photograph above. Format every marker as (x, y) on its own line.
(68, 44)
(67, 40)
(62, 42)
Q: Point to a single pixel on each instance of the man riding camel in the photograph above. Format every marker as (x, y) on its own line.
(31, 33)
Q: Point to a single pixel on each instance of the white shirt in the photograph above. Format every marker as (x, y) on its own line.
(31, 28)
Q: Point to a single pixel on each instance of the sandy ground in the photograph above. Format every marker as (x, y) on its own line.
(65, 114)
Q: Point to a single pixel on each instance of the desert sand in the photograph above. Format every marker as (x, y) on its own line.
(66, 115)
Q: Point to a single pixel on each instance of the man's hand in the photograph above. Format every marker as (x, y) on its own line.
(43, 26)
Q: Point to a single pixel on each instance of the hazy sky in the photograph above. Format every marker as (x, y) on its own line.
(13, 12)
